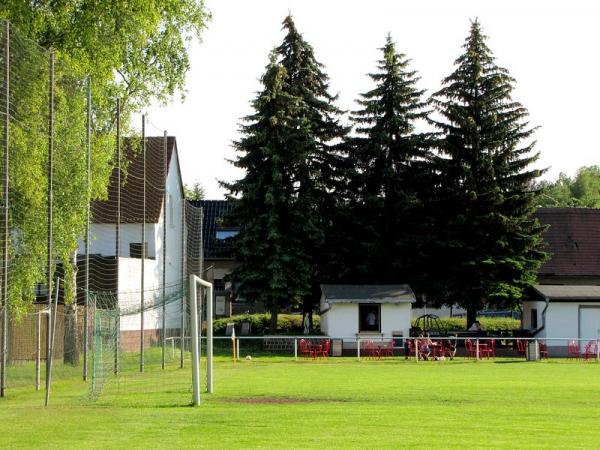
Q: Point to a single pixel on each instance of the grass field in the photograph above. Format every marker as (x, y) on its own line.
(341, 403)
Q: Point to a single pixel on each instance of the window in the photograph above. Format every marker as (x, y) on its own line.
(135, 249)
(369, 317)
(225, 234)
(534, 318)
(171, 212)
(41, 290)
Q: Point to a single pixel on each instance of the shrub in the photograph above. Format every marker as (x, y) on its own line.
(259, 323)
(489, 324)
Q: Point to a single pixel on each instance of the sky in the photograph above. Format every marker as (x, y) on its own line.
(551, 48)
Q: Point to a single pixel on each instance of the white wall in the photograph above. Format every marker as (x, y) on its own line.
(103, 235)
(130, 271)
(563, 321)
(342, 319)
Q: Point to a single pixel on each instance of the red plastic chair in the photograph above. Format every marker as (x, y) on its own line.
(590, 350)
(388, 350)
(573, 349)
(489, 349)
(325, 347)
(470, 348)
(522, 346)
(372, 350)
(305, 349)
(543, 350)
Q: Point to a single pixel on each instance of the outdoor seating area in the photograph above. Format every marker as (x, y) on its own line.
(314, 350)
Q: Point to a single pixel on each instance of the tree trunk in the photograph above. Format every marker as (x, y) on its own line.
(71, 337)
(273, 321)
(471, 316)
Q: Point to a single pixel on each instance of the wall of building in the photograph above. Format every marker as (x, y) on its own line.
(342, 320)
(103, 235)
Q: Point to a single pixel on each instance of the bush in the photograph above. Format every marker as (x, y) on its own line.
(489, 324)
(259, 324)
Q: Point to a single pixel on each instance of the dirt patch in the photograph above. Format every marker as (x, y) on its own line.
(275, 400)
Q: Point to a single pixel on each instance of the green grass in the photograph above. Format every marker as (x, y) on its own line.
(275, 402)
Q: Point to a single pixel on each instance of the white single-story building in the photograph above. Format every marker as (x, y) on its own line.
(563, 313)
(366, 311)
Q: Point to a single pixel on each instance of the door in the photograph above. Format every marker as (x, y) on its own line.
(589, 324)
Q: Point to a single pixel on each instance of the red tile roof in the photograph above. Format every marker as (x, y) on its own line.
(573, 240)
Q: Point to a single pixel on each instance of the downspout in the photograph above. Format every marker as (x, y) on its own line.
(543, 317)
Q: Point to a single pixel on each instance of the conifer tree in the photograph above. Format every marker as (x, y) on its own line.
(490, 246)
(274, 267)
(390, 162)
(321, 175)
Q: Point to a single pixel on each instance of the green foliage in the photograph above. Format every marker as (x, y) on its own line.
(581, 191)
(489, 324)
(134, 50)
(195, 191)
(284, 199)
(286, 324)
(489, 245)
(389, 173)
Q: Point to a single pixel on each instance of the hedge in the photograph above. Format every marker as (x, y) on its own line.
(490, 324)
(286, 324)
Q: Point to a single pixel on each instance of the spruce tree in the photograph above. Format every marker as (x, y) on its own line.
(490, 246)
(390, 161)
(321, 175)
(274, 267)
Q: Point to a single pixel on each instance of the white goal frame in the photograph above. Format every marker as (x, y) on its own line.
(196, 334)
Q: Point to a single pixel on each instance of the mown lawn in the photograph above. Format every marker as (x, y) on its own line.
(341, 403)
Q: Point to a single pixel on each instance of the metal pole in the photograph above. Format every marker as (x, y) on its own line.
(3, 360)
(87, 232)
(194, 336)
(50, 188)
(38, 351)
(237, 348)
(358, 349)
(209, 336)
(164, 253)
(143, 277)
(296, 349)
(183, 267)
(118, 232)
(52, 332)
(477, 349)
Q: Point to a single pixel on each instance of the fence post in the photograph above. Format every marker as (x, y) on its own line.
(49, 209)
(416, 344)
(358, 349)
(164, 254)
(477, 349)
(143, 250)
(4, 349)
(118, 229)
(38, 351)
(296, 349)
(87, 232)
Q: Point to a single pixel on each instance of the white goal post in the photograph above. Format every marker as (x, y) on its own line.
(196, 331)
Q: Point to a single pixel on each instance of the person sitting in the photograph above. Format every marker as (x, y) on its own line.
(450, 348)
(425, 348)
(476, 326)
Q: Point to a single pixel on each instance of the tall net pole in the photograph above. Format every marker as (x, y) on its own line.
(164, 253)
(183, 279)
(50, 194)
(3, 360)
(87, 232)
(142, 287)
(118, 229)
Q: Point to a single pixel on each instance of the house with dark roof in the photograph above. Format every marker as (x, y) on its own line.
(116, 252)
(218, 252)
(566, 301)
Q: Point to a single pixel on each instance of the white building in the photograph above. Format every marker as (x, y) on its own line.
(566, 302)
(366, 311)
(123, 274)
